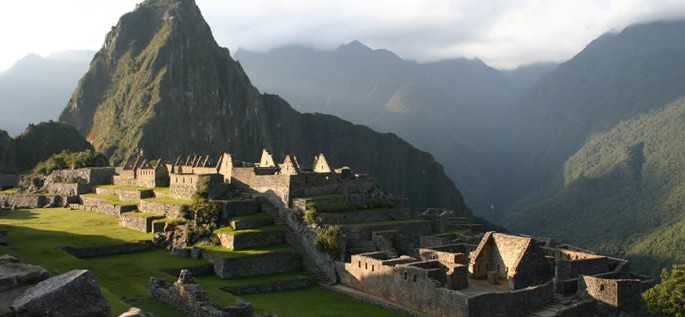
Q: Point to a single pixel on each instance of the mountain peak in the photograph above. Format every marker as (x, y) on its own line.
(355, 46)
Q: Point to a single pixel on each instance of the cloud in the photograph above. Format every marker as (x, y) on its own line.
(503, 33)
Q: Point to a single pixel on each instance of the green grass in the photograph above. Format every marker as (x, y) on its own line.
(10, 191)
(142, 214)
(162, 189)
(210, 281)
(169, 200)
(257, 216)
(124, 280)
(138, 188)
(171, 220)
(230, 230)
(318, 302)
(111, 199)
(226, 253)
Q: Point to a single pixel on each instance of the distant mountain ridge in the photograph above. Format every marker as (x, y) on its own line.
(162, 87)
(35, 88)
(444, 107)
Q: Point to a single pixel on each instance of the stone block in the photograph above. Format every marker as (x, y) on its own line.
(251, 240)
(276, 262)
(72, 294)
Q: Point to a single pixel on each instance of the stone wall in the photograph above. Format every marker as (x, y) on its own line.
(407, 238)
(108, 250)
(246, 179)
(301, 236)
(296, 283)
(567, 269)
(153, 207)
(102, 207)
(236, 208)
(443, 256)
(138, 221)
(253, 265)
(619, 294)
(250, 240)
(184, 186)
(35, 201)
(126, 194)
(187, 296)
(69, 189)
(366, 215)
(513, 303)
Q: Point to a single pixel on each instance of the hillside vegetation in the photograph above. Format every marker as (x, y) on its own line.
(623, 192)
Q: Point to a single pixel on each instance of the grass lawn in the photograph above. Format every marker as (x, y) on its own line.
(169, 200)
(257, 216)
(386, 222)
(226, 253)
(230, 230)
(111, 199)
(35, 234)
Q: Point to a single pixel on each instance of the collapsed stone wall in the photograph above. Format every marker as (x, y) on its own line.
(187, 296)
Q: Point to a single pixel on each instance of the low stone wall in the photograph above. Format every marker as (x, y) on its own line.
(250, 223)
(138, 221)
(407, 239)
(70, 189)
(364, 216)
(252, 240)
(513, 303)
(187, 296)
(153, 207)
(35, 201)
(126, 194)
(296, 283)
(102, 207)
(253, 265)
(107, 250)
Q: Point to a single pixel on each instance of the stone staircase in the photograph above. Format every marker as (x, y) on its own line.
(560, 306)
(293, 240)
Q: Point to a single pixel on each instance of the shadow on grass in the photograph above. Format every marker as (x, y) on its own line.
(17, 214)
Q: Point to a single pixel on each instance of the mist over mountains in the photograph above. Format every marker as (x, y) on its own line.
(588, 151)
(36, 88)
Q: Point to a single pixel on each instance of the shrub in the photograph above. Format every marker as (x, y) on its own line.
(668, 297)
(330, 239)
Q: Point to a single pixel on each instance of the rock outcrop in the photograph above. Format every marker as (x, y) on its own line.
(72, 294)
(162, 87)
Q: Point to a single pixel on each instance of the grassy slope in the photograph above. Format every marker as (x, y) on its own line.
(35, 234)
(623, 192)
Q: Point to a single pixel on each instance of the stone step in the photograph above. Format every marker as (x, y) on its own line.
(106, 204)
(255, 262)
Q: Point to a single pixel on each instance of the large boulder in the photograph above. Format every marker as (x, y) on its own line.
(72, 294)
(18, 274)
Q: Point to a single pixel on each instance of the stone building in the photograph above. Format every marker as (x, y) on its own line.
(141, 172)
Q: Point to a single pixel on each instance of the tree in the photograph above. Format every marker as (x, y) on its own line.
(668, 297)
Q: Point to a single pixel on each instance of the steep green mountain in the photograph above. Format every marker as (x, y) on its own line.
(445, 108)
(37, 143)
(36, 88)
(623, 193)
(161, 86)
(616, 77)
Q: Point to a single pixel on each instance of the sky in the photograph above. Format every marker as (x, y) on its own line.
(502, 33)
